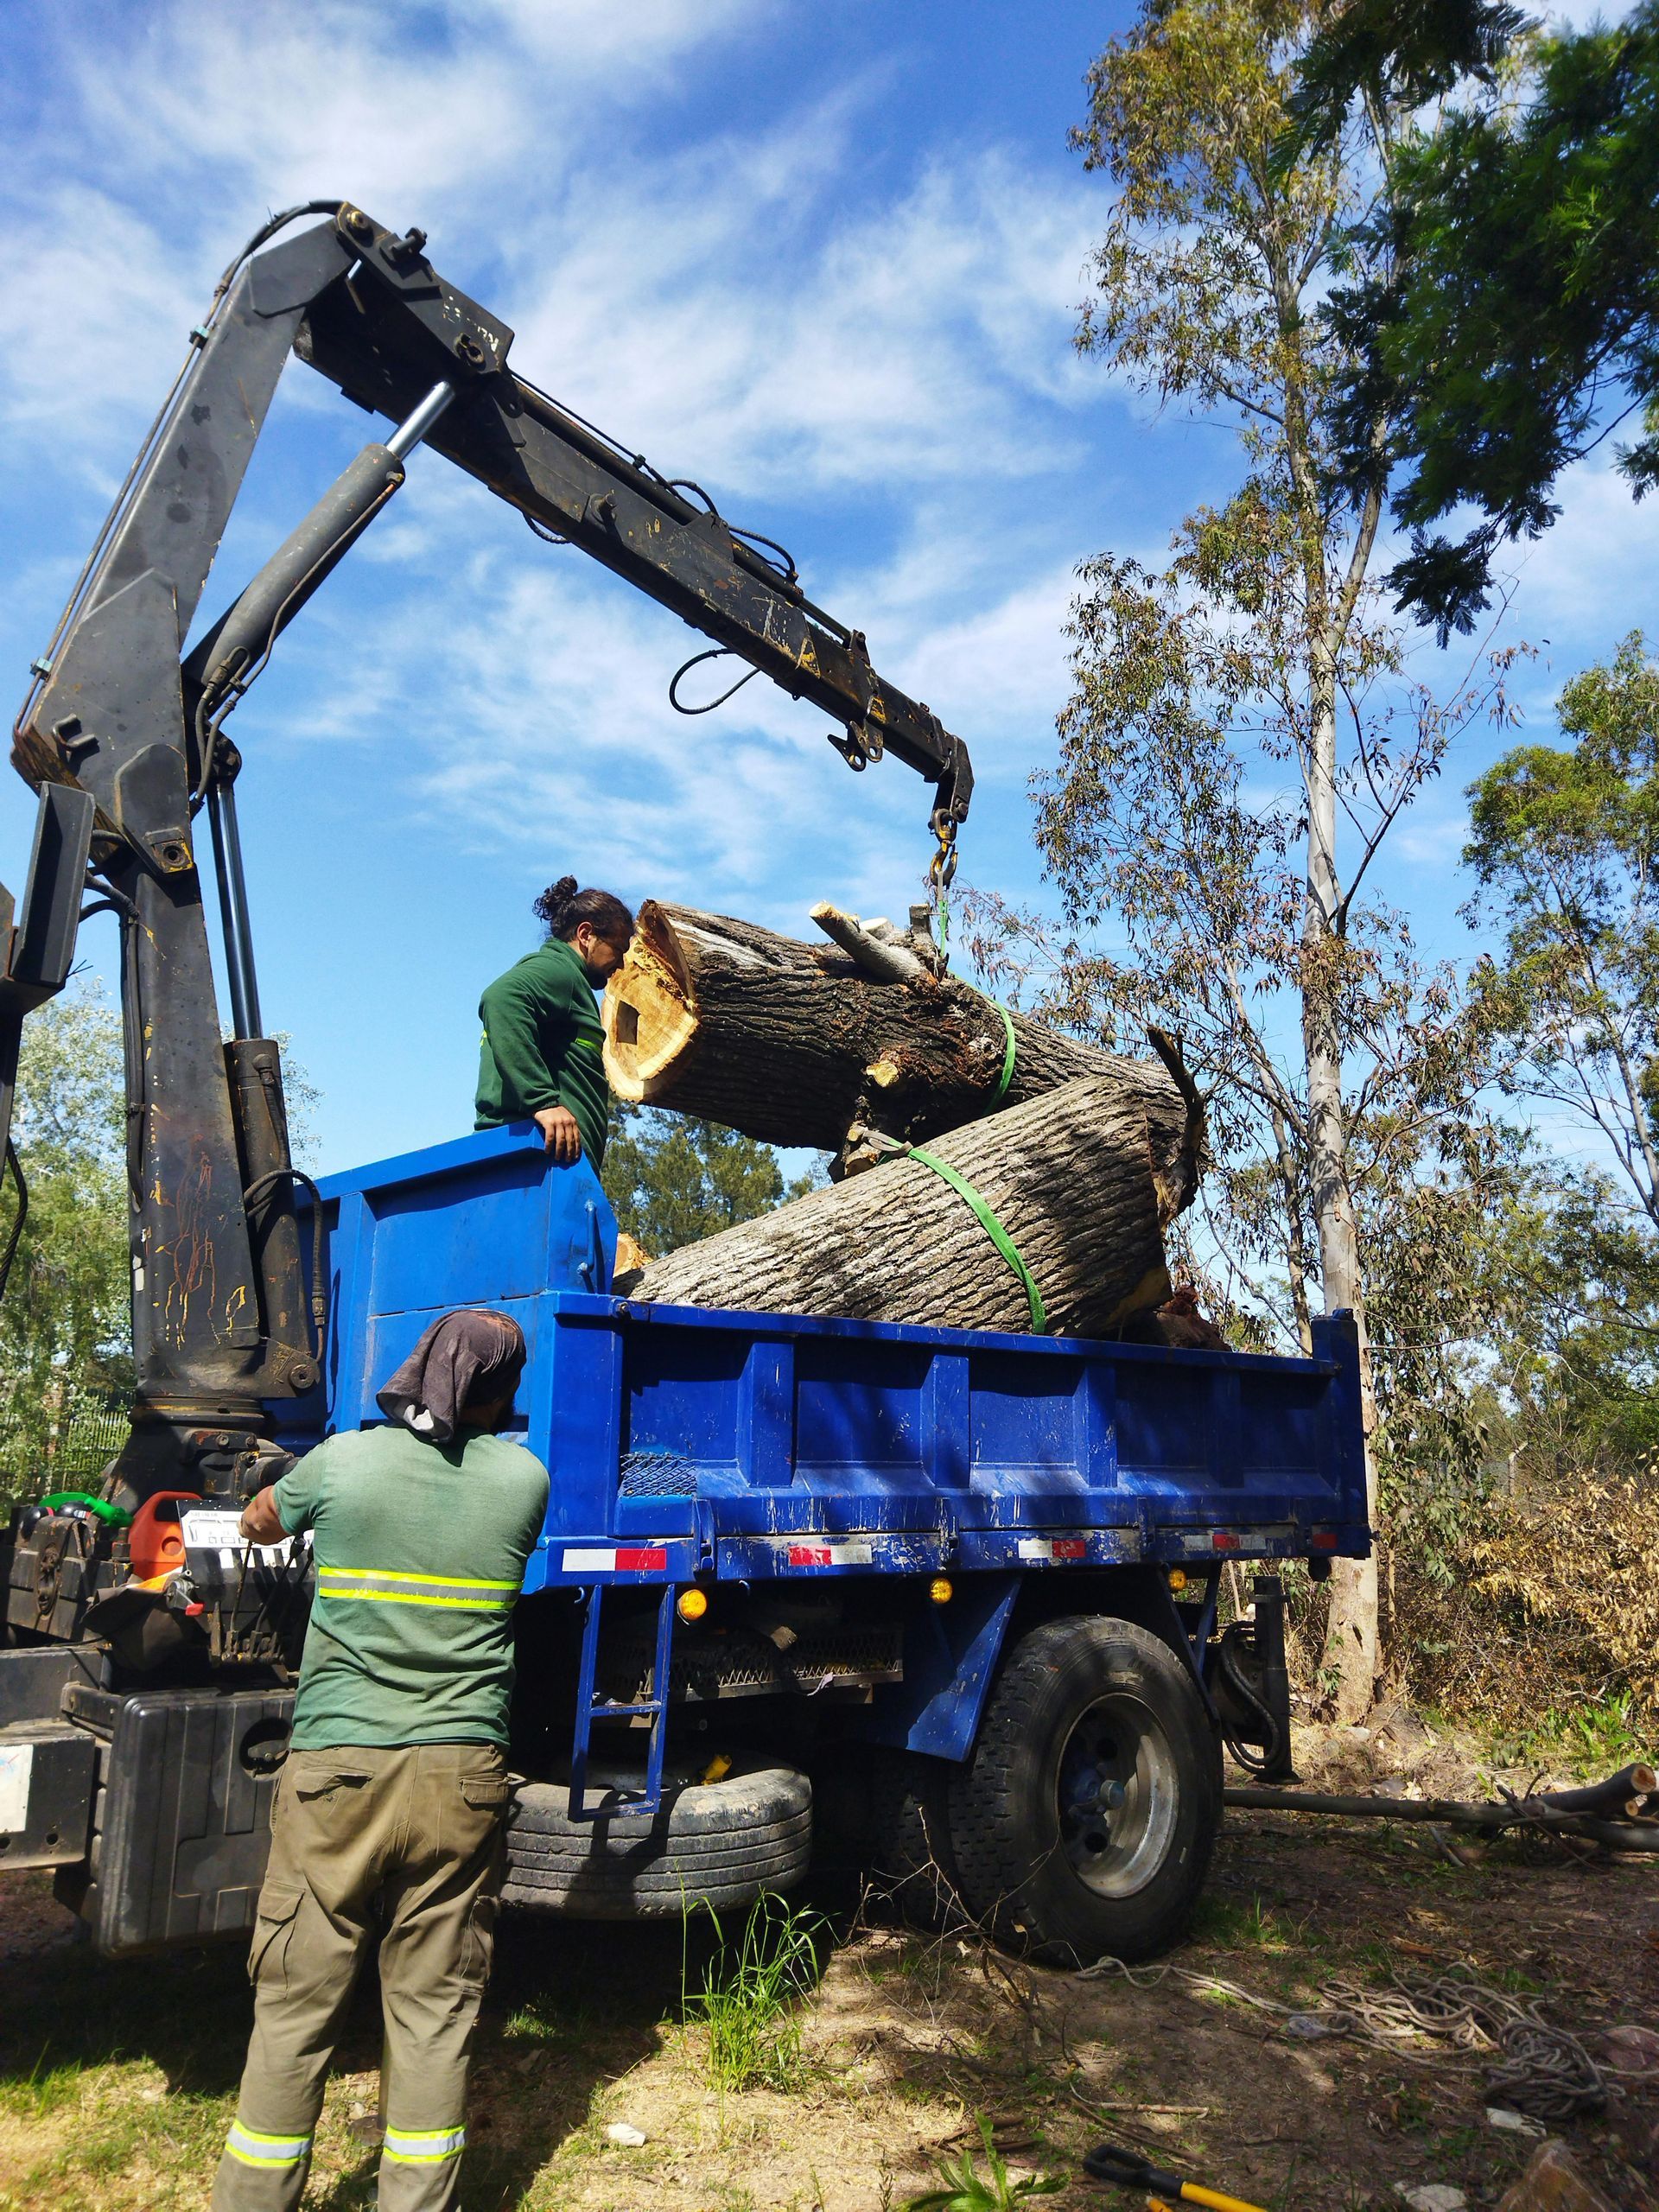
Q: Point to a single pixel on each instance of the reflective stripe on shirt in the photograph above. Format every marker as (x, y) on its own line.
(392, 1587)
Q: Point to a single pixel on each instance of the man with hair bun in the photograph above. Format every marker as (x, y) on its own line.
(543, 1053)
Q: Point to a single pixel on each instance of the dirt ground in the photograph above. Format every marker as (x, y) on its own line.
(117, 2080)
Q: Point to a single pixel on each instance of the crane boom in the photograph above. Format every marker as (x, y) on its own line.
(222, 1321)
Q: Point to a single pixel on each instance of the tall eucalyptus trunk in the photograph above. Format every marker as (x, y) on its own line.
(1349, 1663)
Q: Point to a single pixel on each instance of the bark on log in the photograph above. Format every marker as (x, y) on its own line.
(1070, 1175)
(794, 1044)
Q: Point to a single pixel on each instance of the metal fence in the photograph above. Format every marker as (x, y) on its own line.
(92, 1431)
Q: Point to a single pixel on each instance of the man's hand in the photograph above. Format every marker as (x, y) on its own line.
(260, 1524)
(562, 1135)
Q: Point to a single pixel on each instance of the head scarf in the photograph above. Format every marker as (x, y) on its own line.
(472, 1357)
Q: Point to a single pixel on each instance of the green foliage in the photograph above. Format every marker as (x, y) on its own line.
(1564, 845)
(1398, 54)
(1574, 1324)
(1521, 295)
(966, 2189)
(674, 1180)
(65, 1325)
(1241, 738)
(1594, 1737)
(750, 1998)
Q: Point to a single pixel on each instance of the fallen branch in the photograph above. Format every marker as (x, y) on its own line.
(1565, 1812)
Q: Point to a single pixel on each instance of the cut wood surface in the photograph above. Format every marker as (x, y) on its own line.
(1069, 1176)
(797, 1044)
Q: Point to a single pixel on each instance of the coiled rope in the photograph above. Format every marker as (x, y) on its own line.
(1527, 2062)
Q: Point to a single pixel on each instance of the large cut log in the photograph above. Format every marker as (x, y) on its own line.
(800, 1044)
(1069, 1176)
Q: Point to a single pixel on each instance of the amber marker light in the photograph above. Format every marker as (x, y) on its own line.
(1177, 1578)
(941, 1590)
(692, 1605)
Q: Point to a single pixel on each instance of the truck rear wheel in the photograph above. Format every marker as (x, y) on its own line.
(1084, 1823)
(720, 1843)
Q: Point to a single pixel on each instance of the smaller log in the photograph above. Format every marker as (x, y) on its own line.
(1544, 1812)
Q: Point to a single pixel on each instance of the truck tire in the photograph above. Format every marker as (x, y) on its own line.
(911, 1863)
(718, 1843)
(1084, 1823)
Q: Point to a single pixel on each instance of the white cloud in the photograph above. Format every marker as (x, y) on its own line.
(103, 292)
(155, 146)
(1591, 572)
(329, 96)
(1004, 669)
(719, 290)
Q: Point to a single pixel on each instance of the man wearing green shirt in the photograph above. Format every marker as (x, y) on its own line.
(389, 1811)
(542, 1059)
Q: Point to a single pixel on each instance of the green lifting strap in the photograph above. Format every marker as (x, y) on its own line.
(1006, 1075)
(992, 1227)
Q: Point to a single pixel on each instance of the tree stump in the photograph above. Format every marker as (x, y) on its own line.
(796, 1044)
(1072, 1177)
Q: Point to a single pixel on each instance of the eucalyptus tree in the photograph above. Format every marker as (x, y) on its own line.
(1243, 735)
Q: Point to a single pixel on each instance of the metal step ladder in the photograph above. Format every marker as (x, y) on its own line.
(591, 1708)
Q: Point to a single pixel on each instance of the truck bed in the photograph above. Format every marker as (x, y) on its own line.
(755, 1444)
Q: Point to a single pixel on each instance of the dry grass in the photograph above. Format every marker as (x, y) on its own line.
(1551, 1613)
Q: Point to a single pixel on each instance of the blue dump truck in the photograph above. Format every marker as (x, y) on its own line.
(950, 1597)
(947, 1597)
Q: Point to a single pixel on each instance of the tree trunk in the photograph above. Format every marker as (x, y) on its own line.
(1351, 1660)
(796, 1044)
(1070, 1176)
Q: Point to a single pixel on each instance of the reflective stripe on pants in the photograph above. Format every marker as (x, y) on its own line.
(406, 1841)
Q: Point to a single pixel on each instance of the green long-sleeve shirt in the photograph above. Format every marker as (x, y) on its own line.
(542, 1045)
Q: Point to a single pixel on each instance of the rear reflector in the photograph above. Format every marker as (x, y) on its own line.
(631, 1559)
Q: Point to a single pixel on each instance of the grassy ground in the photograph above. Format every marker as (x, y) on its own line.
(117, 2080)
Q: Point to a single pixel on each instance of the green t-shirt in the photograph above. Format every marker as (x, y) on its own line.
(544, 1045)
(420, 1552)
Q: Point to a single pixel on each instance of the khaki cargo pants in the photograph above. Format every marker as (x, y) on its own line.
(407, 1842)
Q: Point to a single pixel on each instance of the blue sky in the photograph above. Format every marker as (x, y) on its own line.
(825, 260)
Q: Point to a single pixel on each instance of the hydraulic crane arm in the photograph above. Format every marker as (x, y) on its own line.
(364, 336)
(221, 1322)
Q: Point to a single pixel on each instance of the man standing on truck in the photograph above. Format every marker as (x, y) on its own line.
(543, 1053)
(390, 1811)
